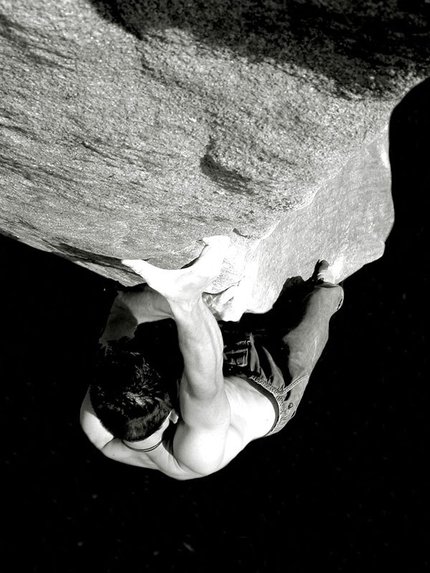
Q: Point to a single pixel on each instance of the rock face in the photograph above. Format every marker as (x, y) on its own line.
(133, 129)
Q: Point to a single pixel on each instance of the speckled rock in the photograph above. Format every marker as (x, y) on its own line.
(133, 129)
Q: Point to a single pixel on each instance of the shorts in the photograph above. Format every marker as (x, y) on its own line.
(252, 361)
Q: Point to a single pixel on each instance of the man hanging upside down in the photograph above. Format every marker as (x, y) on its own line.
(233, 385)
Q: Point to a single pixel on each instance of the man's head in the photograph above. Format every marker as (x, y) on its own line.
(127, 394)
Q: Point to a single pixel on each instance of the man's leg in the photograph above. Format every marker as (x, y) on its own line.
(307, 340)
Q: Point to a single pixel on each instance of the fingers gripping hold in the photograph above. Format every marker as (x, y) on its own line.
(188, 283)
(139, 266)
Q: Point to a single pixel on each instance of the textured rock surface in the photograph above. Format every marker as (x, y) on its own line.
(135, 129)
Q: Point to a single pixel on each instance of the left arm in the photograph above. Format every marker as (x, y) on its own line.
(131, 308)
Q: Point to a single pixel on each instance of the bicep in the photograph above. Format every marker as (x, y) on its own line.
(205, 405)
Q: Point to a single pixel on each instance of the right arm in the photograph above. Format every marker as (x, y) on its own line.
(200, 438)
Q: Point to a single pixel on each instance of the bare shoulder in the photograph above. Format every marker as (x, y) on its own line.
(206, 450)
(91, 425)
(162, 459)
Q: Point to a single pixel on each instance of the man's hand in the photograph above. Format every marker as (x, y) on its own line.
(187, 284)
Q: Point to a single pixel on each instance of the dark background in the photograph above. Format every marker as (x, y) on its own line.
(342, 488)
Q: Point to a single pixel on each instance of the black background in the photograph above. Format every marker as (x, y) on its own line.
(343, 487)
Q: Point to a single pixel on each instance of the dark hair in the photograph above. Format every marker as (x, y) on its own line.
(127, 394)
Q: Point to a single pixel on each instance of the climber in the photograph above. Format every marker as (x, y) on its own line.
(226, 394)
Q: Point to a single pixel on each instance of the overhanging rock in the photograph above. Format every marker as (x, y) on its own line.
(129, 132)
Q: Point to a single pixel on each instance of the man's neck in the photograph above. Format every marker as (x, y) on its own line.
(151, 442)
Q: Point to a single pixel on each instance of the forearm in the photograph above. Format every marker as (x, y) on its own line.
(201, 345)
(146, 304)
(131, 308)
